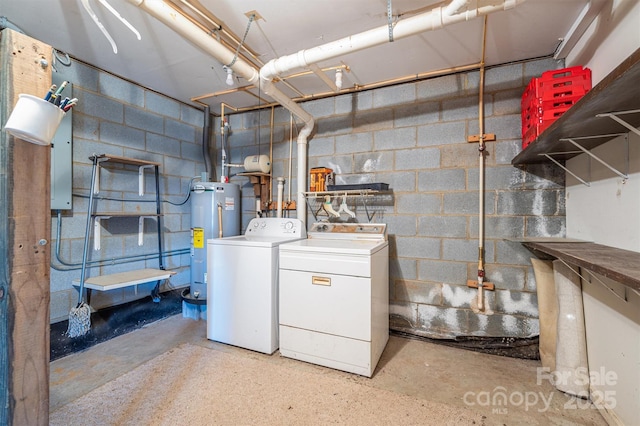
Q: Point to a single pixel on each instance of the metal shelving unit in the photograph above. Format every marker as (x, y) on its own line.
(130, 278)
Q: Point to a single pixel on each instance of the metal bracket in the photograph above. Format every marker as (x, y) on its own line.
(548, 155)
(96, 181)
(141, 228)
(624, 299)
(614, 117)
(557, 163)
(96, 231)
(141, 178)
(624, 176)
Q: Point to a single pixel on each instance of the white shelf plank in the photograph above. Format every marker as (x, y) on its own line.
(124, 279)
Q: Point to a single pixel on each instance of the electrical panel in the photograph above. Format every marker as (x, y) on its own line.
(62, 156)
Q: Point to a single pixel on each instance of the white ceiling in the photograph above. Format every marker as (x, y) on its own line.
(165, 62)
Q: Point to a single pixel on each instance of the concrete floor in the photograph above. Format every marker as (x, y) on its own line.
(411, 367)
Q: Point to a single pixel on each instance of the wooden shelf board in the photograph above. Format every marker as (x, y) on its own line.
(125, 214)
(617, 264)
(124, 279)
(124, 160)
(547, 240)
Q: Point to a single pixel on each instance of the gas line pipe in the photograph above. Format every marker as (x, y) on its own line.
(481, 283)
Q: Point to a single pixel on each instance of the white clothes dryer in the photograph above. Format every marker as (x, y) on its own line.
(334, 296)
(242, 283)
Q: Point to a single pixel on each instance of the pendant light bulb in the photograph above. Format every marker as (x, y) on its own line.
(229, 75)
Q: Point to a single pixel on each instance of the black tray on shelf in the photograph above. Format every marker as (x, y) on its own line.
(372, 186)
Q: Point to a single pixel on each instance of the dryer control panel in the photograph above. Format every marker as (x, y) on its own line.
(348, 230)
(276, 227)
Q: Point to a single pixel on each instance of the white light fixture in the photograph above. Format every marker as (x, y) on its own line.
(339, 78)
(229, 71)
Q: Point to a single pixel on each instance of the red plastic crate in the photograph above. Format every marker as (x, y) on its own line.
(560, 102)
(571, 72)
(549, 96)
(534, 131)
(550, 93)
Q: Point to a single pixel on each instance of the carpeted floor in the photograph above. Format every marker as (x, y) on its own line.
(193, 385)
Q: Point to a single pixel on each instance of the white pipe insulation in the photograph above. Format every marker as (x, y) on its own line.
(434, 19)
(454, 7)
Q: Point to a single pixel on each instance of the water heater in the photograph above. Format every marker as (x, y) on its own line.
(215, 213)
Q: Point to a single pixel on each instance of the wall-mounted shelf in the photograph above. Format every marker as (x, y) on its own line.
(589, 121)
(124, 279)
(105, 215)
(114, 159)
(316, 201)
(348, 192)
(619, 265)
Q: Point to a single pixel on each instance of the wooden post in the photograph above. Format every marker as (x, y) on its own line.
(25, 231)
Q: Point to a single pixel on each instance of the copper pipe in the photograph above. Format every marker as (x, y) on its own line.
(481, 161)
(355, 88)
(303, 73)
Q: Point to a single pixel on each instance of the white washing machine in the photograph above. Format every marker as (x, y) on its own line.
(334, 296)
(242, 285)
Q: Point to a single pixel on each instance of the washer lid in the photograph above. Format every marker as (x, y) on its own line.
(335, 247)
(251, 241)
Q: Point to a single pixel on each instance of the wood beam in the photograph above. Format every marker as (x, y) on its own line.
(25, 231)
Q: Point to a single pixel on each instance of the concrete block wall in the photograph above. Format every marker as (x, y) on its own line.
(117, 117)
(414, 137)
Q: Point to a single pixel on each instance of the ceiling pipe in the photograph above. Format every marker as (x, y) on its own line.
(180, 24)
(454, 7)
(435, 18)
